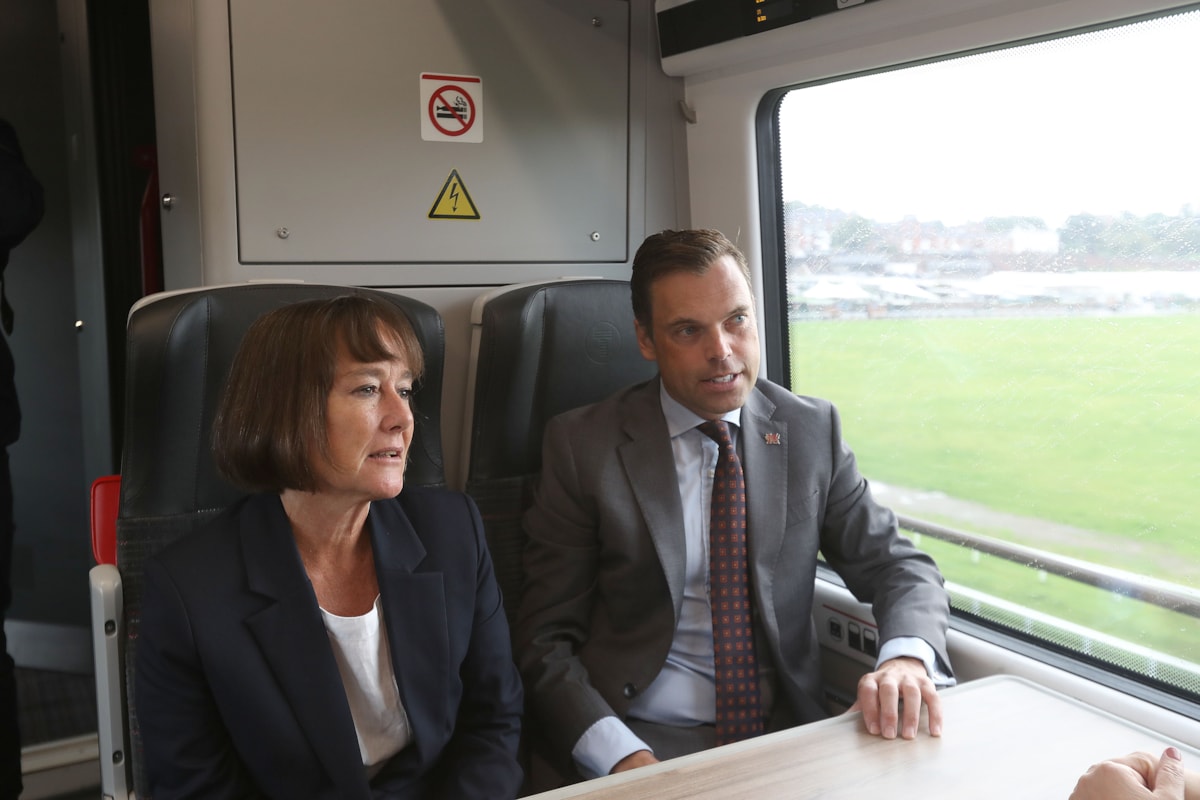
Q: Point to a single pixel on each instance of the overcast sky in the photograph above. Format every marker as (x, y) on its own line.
(1102, 123)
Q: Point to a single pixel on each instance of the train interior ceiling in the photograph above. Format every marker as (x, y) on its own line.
(187, 144)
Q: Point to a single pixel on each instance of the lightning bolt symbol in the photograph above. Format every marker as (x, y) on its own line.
(454, 196)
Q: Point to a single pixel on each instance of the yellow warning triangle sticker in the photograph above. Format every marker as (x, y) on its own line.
(454, 201)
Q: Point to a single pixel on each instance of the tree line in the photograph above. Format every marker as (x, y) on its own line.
(1156, 236)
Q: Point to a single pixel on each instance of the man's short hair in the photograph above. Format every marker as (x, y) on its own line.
(271, 425)
(669, 252)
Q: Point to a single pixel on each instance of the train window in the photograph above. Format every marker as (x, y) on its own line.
(992, 267)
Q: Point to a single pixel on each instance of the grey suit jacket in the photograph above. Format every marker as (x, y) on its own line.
(605, 559)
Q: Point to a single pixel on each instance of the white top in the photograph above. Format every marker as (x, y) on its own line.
(360, 647)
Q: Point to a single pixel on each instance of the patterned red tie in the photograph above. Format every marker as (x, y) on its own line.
(738, 713)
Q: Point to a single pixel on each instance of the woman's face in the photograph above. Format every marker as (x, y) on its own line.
(369, 426)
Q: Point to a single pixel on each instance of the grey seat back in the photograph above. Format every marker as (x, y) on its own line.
(537, 350)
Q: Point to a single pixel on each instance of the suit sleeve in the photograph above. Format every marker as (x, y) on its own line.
(861, 541)
(561, 562)
(187, 750)
(480, 760)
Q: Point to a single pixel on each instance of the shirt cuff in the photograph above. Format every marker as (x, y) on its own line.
(602, 745)
(918, 648)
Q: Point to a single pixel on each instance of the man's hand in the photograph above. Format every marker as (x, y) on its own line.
(880, 694)
(634, 760)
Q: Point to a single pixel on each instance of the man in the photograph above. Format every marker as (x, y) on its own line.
(21, 208)
(615, 634)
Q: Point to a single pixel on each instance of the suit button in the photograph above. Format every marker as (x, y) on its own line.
(630, 690)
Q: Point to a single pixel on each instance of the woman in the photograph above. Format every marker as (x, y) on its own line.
(330, 635)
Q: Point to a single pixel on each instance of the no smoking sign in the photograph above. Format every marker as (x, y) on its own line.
(451, 108)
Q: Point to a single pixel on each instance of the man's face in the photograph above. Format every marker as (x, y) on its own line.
(705, 338)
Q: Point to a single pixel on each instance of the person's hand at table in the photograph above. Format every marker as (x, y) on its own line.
(880, 694)
(1139, 776)
(640, 758)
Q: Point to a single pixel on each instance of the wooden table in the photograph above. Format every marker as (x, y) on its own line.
(1004, 738)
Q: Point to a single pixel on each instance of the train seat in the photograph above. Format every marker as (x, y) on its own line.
(179, 348)
(537, 349)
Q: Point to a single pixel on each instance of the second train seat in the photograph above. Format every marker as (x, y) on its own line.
(537, 350)
(179, 348)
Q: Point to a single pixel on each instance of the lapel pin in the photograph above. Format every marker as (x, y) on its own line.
(771, 438)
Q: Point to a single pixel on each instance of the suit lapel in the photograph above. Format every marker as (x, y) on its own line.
(765, 458)
(650, 466)
(293, 641)
(414, 612)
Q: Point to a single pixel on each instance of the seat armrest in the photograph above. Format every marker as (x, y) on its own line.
(105, 501)
(107, 635)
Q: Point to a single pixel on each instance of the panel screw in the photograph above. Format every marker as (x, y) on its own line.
(282, 233)
(595, 236)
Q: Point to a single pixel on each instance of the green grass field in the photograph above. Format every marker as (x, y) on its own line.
(1088, 422)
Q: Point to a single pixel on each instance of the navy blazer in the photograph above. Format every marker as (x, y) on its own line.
(238, 693)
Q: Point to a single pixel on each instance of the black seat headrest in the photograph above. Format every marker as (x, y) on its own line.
(544, 349)
(179, 350)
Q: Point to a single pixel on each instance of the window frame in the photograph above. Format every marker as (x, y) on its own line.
(777, 360)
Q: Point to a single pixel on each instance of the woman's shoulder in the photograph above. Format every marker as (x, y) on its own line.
(214, 537)
(425, 500)
(446, 522)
